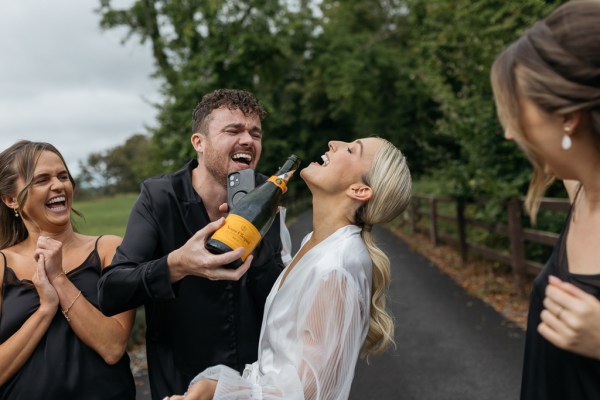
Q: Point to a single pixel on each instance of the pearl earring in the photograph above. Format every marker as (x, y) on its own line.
(16, 213)
(566, 140)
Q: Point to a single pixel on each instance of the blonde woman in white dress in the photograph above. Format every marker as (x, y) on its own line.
(328, 305)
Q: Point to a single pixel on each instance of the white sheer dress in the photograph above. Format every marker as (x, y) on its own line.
(313, 327)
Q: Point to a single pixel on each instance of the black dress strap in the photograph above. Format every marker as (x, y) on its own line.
(571, 214)
(2, 281)
(579, 187)
(96, 254)
(96, 244)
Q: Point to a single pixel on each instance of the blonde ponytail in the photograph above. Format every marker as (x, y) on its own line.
(381, 326)
(389, 178)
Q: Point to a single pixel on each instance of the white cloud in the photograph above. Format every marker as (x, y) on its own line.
(65, 81)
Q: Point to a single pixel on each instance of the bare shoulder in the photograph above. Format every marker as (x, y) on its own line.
(107, 246)
(110, 241)
(11, 257)
(8, 253)
(7, 258)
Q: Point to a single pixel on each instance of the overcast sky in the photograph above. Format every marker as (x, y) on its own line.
(65, 81)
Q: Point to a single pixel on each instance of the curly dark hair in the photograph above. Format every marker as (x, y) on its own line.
(233, 99)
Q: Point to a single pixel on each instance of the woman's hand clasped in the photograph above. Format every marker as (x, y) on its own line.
(52, 251)
(48, 297)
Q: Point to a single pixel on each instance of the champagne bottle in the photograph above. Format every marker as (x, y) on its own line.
(251, 218)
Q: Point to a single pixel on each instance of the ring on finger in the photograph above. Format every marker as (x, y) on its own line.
(559, 312)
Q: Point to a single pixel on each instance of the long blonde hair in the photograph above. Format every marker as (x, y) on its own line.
(555, 64)
(389, 178)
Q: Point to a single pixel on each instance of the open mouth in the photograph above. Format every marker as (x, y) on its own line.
(57, 203)
(243, 159)
(325, 160)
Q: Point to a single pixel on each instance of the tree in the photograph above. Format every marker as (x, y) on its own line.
(199, 46)
(339, 71)
(121, 169)
(413, 71)
(360, 80)
(455, 43)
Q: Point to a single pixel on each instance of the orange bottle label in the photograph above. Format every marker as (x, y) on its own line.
(238, 232)
(278, 181)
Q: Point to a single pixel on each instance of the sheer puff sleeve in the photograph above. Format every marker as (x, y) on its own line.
(331, 324)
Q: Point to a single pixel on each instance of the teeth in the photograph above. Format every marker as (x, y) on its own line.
(325, 160)
(242, 155)
(57, 200)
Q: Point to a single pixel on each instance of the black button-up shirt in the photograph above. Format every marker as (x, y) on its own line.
(194, 323)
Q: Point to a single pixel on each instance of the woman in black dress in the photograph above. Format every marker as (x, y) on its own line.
(547, 91)
(54, 342)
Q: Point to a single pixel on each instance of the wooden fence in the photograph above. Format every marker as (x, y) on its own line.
(425, 208)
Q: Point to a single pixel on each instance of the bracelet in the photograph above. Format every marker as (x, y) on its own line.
(58, 276)
(65, 312)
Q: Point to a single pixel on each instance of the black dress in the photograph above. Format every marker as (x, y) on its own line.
(550, 373)
(61, 366)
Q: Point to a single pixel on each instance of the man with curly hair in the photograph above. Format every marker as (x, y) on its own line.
(198, 313)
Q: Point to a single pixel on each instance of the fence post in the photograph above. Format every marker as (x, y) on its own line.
(433, 221)
(462, 230)
(515, 233)
(414, 206)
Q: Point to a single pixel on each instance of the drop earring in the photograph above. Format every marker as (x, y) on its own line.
(16, 213)
(566, 140)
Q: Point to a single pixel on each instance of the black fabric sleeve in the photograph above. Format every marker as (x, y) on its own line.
(131, 279)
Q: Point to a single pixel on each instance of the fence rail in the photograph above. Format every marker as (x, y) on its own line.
(426, 208)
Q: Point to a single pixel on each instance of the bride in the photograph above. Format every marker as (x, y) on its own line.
(328, 305)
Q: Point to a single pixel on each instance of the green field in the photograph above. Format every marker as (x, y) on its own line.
(106, 215)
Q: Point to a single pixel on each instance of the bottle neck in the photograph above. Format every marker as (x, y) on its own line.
(282, 176)
(279, 182)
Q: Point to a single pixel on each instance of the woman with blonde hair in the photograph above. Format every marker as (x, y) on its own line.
(328, 305)
(547, 91)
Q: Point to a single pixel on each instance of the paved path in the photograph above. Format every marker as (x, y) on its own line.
(451, 346)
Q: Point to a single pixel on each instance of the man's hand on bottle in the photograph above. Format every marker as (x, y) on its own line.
(194, 259)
